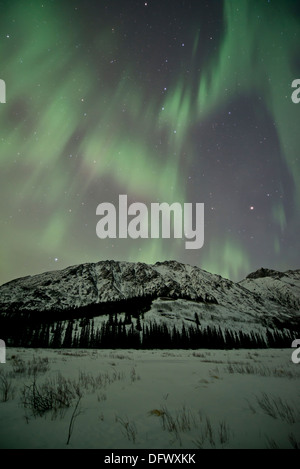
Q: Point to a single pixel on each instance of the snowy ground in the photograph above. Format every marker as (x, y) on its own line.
(124, 399)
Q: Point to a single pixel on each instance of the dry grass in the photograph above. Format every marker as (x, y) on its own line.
(277, 408)
(93, 383)
(129, 428)
(261, 370)
(32, 367)
(185, 421)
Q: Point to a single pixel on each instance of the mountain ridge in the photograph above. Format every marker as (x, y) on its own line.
(168, 295)
(109, 281)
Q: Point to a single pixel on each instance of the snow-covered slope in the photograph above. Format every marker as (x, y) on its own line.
(280, 287)
(176, 291)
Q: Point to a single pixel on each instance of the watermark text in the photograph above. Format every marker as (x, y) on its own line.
(2, 92)
(137, 221)
(2, 351)
(295, 358)
(296, 94)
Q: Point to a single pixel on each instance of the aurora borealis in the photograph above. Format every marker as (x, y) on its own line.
(171, 101)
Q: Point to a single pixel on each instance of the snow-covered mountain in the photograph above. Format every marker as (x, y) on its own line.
(174, 291)
(282, 288)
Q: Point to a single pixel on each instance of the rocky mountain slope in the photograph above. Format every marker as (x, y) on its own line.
(175, 292)
(283, 288)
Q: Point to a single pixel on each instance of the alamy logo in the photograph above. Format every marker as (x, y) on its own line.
(2, 92)
(2, 351)
(160, 215)
(295, 358)
(296, 94)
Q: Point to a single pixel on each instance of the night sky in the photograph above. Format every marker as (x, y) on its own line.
(165, 101)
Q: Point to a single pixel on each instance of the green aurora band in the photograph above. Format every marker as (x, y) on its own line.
(60, 146)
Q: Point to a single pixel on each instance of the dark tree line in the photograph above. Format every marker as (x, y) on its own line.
(123, 333)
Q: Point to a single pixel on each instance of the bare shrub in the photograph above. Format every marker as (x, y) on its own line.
(224, 433)
(6, 388)
(272, 443)
(295, 444)
(54, 395)
(74, 416)
(185, 420)
(209, 432)
(18, 365)
(182, 421)
(129, 428)
(134, 376)
(31, 367)
(37, 365)
(208, 435)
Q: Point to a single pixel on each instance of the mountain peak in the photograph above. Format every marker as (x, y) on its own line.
(262, 272)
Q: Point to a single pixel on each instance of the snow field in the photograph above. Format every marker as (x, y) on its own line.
(151, 399)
